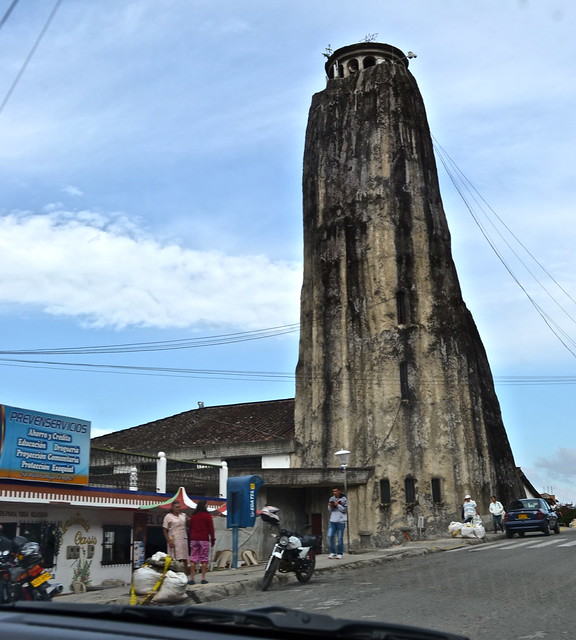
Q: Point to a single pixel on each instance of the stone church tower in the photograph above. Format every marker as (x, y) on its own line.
(391, 365)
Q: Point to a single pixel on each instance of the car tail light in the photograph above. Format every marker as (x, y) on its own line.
(506, 517)
(539, 515)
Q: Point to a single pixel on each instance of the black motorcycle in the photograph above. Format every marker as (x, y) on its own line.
(6, 562)
(292, 553)
(22, 574)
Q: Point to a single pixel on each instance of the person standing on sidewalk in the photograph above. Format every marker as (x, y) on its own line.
(338, 508)
(201, 539)
(469, 509)
(174, 529)
(497, 511)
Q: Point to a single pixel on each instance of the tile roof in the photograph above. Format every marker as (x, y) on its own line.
(225, 424)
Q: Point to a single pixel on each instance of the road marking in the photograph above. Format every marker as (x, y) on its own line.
(547, 544)
(516, 544)
(568, 544)
(493, 546)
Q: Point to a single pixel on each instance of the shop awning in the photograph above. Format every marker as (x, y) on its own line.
(187, 503)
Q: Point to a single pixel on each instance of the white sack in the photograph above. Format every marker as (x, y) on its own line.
(173, 588)
(144, 580)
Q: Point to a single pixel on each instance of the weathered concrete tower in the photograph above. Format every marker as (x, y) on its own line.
(391, 365)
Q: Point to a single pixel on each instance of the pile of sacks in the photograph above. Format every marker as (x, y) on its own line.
(474, 529)
(161, 580)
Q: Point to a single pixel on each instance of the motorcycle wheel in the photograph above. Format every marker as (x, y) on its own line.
(40, 594)
(306, 569)
(269, 573)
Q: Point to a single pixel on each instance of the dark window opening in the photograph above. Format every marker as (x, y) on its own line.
(436, 490)
(116, 548)
(250, 462)
(401, 307)
(410, 490)
(353, 65)
(369, 61)
(404, 388)
(385, 495)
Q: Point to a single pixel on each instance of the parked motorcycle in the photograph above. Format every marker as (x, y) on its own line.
(6, 560)
(22, 574)
(292, 553)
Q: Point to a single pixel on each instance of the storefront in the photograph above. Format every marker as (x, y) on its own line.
(89, 535)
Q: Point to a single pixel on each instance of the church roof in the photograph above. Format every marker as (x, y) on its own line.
(224, 424)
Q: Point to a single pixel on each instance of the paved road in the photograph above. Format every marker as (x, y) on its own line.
(519, 589)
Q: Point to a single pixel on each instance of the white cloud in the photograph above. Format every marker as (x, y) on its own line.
(105, 271)
(72, 191)
(555, 474)
(562, 463)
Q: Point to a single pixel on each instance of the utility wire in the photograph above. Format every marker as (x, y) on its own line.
(8, 12)
(165, 345)
(29, 56)
(253, 376)
(460, 187)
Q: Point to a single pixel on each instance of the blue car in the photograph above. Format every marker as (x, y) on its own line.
(530, 514)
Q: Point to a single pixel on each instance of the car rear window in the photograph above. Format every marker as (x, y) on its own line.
(525, 504)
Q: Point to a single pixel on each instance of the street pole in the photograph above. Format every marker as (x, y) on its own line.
(348, 514)
(343, 456)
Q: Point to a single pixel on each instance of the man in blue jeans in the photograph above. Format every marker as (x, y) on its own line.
(338, 508)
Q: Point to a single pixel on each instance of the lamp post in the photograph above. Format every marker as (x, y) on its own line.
(343, 456)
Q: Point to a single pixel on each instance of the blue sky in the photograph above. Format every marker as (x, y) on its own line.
(150, 181)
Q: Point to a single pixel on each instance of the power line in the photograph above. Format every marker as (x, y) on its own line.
(253, 376)
(8, 12)
(29, 56)
(165, 345)
(462, 185)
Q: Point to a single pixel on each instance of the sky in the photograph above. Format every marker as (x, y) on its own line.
(150, 195)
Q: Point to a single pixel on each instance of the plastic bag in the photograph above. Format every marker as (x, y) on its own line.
(454, 529)
(144, 579)
(173, 588)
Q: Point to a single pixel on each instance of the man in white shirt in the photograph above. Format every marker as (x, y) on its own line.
(497, 511)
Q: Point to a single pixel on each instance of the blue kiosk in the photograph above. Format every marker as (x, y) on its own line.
(242, 492)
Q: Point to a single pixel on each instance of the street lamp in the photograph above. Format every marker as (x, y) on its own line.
(343, 456)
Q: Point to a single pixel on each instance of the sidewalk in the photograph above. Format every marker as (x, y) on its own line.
(233, 582)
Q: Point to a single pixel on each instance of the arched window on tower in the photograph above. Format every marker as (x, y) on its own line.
(369, 61)
(404, 387)
(436, 490)
(401, 299)
(353, 66)
(385, 494)
(410, 490)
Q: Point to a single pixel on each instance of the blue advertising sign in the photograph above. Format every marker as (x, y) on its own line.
(42, 446)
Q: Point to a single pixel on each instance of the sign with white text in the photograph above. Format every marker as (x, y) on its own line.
(42, 446)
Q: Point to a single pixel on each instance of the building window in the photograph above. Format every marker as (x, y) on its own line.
(410, 490)
(249, 462)
(436, 490)
(385, 496)
(116, 548)
(353, 66)
(401, 307)
(404, 388)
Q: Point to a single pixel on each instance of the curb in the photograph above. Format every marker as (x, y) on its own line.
(236, 585)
